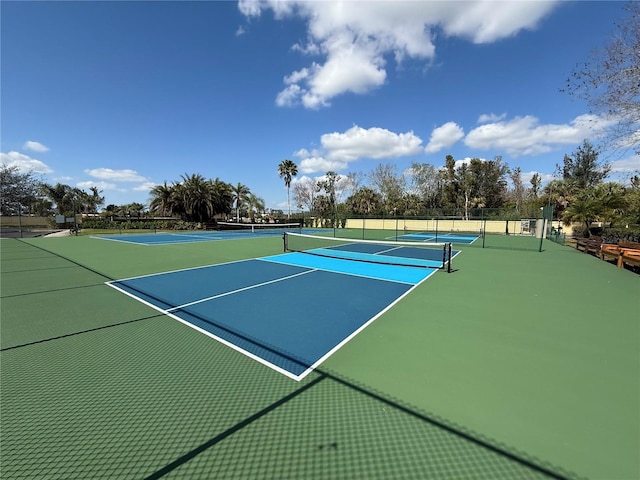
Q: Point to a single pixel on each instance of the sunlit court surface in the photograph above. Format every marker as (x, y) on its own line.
(253, 355)
(227, 302)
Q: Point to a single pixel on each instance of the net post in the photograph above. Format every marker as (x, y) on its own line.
(449, 264)
(285, 242)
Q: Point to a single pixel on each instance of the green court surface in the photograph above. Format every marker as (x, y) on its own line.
(518, 364)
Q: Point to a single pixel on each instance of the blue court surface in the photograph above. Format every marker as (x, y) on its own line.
(150, 239)
(289, 311)
(163, 238)
(452, 237)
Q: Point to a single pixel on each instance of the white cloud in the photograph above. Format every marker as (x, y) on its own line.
(444, 136)
(308, 49)
(374, 142)
(125, 175)
(289, 97)
(467, 161)
(354, 41)
(488, 21)
(35, 146)
(631, 164)
(144, 187)
(320, 164)
(100, 185)
(24, 163)
(526, 136)
(304, 153)
(491, 117)
(240, 31)
(338, 149)
(63, 179)
(303, 179)
(544, 177)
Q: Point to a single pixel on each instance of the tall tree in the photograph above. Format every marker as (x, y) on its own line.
(582, 169)
(389, 184)
(559, 194)
(353, 182)
(426, 182)
(240, 194)
(221, 197)
(287, 170)
(467, 186)
(63, 196)
(536, 182)
(197, 198)
(255, 205)
(323, 207)
(162, 199)
(604, 203)
(304, 193)
(364, 202)
(608, 81)
(518, 193)
(490, 180)
(90, 202)
(17, 189)
(450, 188)
(328, 184)
(328, 202)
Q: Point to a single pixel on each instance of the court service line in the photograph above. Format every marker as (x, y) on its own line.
(196, 236)
(341, 272)
(186, 269)
(382, 252)
(97, 237)
(250, 287)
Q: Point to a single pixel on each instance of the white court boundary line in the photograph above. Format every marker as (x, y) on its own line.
(168, 312)
(257, 358)
(220, 295)
(340, 271)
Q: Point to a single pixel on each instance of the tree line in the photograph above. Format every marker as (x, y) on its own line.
(25, 193)
(192, 199)
(579, 192)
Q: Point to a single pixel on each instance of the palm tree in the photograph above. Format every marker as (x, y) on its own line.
(162, 199)
(222, 197)
(240, 194)
(604, 203)
(61, 195)
(197, 198)
(96, 201)
(87, 203)
(287, 170)
(364, 201)
(256, 204)
(136, 209)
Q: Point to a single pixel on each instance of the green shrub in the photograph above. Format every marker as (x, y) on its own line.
(629, 233)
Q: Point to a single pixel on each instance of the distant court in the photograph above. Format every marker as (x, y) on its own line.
(453, 237)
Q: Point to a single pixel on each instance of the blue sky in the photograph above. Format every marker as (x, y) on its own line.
(127, 95)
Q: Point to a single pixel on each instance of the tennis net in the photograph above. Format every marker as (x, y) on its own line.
(260, 228)
(410, 254)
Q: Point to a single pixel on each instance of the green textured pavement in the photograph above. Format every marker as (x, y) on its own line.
(518, 365)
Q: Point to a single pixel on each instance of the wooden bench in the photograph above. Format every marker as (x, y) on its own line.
(589, 245)
(623, 253)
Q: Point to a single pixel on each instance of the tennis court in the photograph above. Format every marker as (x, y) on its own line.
(227, 232)
(228, 359)
(463, 238)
